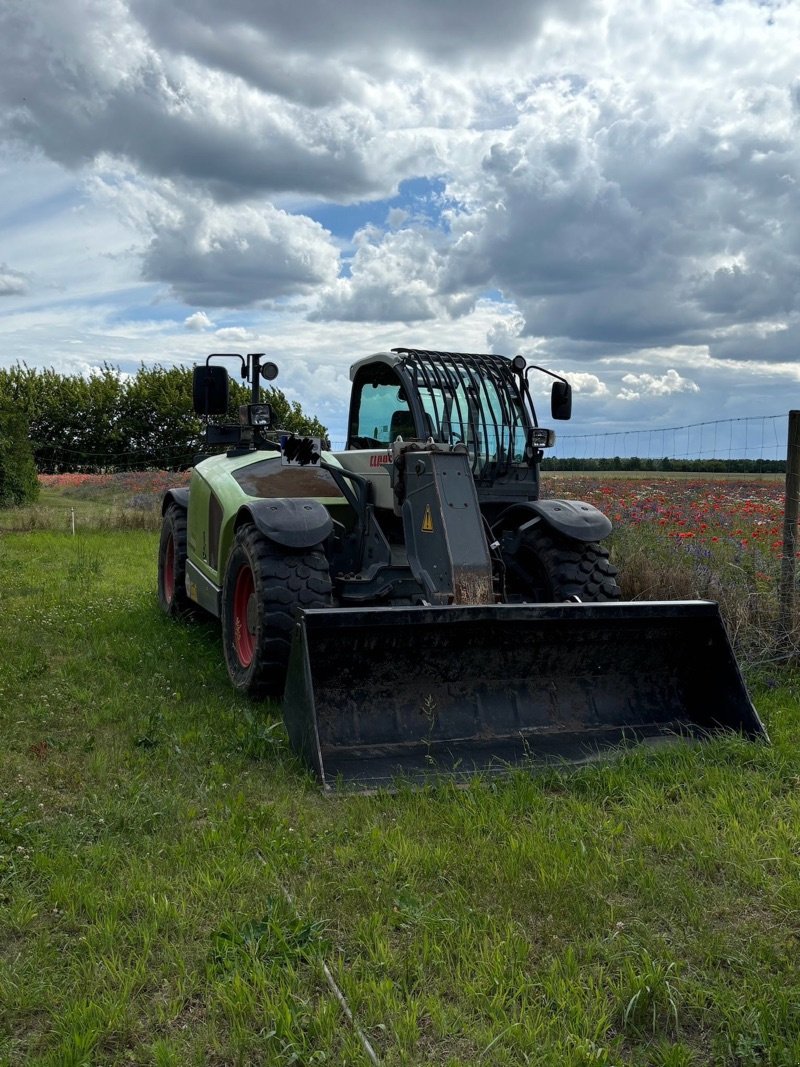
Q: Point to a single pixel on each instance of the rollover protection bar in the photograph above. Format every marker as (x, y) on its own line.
(377, 695)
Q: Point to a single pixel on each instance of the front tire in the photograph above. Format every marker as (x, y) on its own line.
(264, 584)
(172, 564)
(548, 568)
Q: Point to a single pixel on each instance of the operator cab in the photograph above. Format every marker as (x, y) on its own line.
(482, 402)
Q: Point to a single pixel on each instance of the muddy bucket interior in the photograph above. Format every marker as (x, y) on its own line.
(376, 695)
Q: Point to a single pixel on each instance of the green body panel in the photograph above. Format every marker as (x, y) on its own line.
(216, 498)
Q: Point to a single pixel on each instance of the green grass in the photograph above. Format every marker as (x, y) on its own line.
(639, 912)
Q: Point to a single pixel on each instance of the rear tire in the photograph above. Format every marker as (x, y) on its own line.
(172, 564)
(264, 584)
(551, 568)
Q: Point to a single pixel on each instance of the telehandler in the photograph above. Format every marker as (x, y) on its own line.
(413, 600)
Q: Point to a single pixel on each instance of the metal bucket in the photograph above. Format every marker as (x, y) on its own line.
(378, 695)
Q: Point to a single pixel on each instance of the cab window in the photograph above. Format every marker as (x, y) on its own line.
(380, 412)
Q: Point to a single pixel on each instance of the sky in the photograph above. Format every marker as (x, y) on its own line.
(609, 188)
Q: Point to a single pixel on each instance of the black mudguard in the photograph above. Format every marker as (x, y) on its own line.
(572, 518)
(180, 497)
(293, 522)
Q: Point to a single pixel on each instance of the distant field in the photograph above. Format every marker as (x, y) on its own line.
(675, 476)
(642, 912)
(128, 500)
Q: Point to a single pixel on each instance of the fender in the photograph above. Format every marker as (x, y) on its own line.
(293, 522)
(180, 497)
(572, 518)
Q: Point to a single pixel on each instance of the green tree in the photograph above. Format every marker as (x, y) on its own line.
(157, 423)
(109, 421)
(19, 483)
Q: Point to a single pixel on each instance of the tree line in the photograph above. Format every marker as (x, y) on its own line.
(637, 463)
(109, 421)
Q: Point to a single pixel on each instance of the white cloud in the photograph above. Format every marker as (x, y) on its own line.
(198, 322)
(394, 277)
(237, 255)
(234, 334)
(504, 336)
(638, 385)
(588, 384)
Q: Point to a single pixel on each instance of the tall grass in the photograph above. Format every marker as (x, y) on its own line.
(125, 501)
(744, 583)
(88, 519)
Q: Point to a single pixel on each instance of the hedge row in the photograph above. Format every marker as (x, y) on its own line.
(110, 421)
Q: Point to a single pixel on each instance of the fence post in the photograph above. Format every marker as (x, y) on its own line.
(790, 516)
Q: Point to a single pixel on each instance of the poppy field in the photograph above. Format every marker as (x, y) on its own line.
(126, 487)
(736, 515)
(696, 538)
(127, 500)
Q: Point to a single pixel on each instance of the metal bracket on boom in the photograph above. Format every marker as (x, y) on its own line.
(445, 541)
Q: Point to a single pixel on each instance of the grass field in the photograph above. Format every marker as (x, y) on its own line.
(152, 824)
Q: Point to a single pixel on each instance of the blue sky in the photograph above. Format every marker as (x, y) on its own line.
(610, 188)
(417, 198)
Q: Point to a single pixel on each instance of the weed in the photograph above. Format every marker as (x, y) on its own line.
(151, 735)
(652, 998)
(428, 709)
(279, 937)
(259, 738)
(84, 563)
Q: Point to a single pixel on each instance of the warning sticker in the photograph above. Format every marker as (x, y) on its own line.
(427, 520)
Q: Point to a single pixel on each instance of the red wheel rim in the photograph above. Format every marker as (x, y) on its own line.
(243, 640)
(169, 569)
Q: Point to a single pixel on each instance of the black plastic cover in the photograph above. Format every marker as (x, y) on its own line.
(294, 522)
(178, 496)
(573, 518)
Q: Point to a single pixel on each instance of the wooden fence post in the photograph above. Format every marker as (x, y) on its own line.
(790, 540)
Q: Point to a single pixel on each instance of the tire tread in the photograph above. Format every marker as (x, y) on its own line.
(284, 580)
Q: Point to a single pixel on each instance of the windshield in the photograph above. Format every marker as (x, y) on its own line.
(476, 405)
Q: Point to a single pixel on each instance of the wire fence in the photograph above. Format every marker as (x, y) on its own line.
(753, 437)
(57, 458)
(757, 437)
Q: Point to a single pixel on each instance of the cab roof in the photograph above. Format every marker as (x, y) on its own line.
(391, 359)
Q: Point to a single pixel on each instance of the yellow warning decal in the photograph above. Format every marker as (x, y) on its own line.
(427, 520)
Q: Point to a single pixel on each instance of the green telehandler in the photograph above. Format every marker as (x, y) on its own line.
(414, 602)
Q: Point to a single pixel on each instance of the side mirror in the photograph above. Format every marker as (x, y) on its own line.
(561, 400)
(210, 390)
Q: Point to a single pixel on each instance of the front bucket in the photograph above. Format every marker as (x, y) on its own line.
(377, 694)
